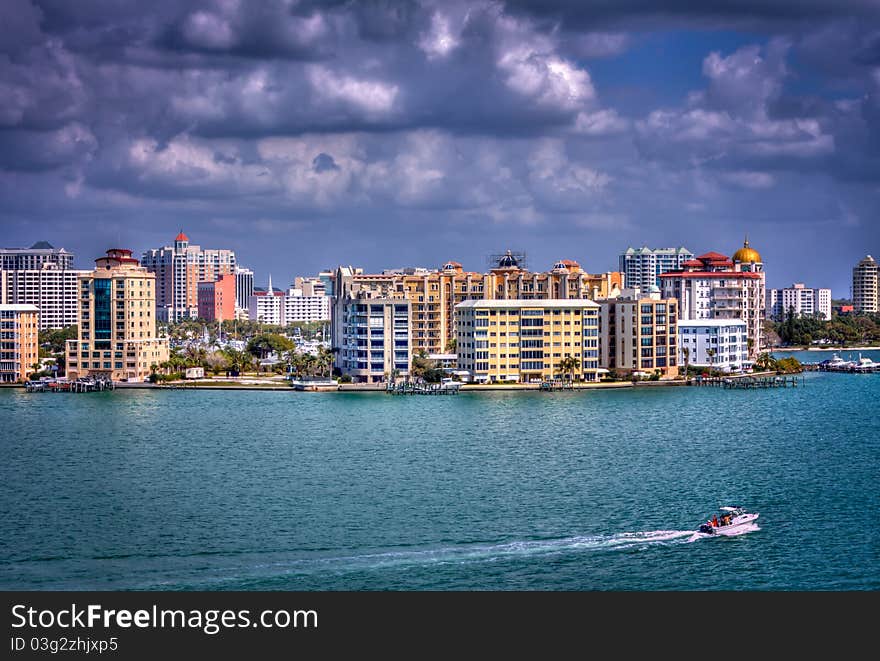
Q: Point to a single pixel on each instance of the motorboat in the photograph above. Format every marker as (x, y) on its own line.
(835, 363)
(866, 365)
(448, 383)
(731, 519)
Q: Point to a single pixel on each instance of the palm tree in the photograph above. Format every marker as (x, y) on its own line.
(686, 352)
(325, 360)
(711, 353)
(568, 365)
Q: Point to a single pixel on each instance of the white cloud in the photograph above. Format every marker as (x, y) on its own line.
(370, 96)
(749, 179)
(207, 30)
(200, 167)
(534, 69)
(439, 40)
(731, 117)
(600, 122)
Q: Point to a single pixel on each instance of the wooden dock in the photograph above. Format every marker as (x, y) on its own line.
(550, 386)
(405, 388)
(747, 382)
(79, 385)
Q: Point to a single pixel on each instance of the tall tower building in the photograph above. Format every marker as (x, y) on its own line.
(244, 287)
(179, 269)
(44, 276)
(35, 257)
(642, 266)
(864, 286)
(117, 322)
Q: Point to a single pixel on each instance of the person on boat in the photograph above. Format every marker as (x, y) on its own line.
(714, 521)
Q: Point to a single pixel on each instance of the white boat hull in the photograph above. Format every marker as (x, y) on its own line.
(736, 525)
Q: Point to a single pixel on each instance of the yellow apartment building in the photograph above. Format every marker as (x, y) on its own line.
(528, 340)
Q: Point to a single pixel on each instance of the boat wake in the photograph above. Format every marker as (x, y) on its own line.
(475, 553)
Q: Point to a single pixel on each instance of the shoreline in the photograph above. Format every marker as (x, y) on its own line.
(372, 388)
(791, 350)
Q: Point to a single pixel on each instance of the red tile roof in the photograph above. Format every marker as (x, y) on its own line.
(713, 256)
(731, 275)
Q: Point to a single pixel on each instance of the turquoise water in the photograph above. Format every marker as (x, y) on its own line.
(565, 491)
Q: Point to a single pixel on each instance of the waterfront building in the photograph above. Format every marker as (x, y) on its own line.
(714, 286)
(528, 340)
(718, 344)
(244, 287)
(375, 342)
(434, 294)
(35, 258)
(299, 307)
(53, 288)
(799, 300)
(638, 333)
(642, 266)
(117, 322)
(267, 305)
(19, 341)
(179, 268)
(217, 298)
(865, 285)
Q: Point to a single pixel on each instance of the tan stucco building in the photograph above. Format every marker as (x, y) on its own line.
(117, 322)
(19, 341)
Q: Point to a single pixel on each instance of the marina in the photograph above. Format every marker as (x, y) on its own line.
(445, 387)
(860, 365)
(749, 382)
(77, 385)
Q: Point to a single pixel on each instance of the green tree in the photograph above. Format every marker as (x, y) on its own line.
(765, 362)
(54, 340)
(711, 353)
(262, 345)
(568, 366)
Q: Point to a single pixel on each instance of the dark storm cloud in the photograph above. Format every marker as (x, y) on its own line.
(765, 15)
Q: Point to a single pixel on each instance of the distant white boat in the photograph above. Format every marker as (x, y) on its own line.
(449, 384)
(866, 365)
(319, 383)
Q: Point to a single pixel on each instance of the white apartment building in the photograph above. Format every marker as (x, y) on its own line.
(718, 344)
(298, 307)
(267, 306)
(52, 288)
(864, 286)
(714, 286)
(642, 266)
(244, 287)
(802, 301)
(375, 340)
(35, 257)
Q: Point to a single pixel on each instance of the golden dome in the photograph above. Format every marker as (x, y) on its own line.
(746, 255)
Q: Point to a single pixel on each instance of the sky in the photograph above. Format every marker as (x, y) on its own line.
(390, 133)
